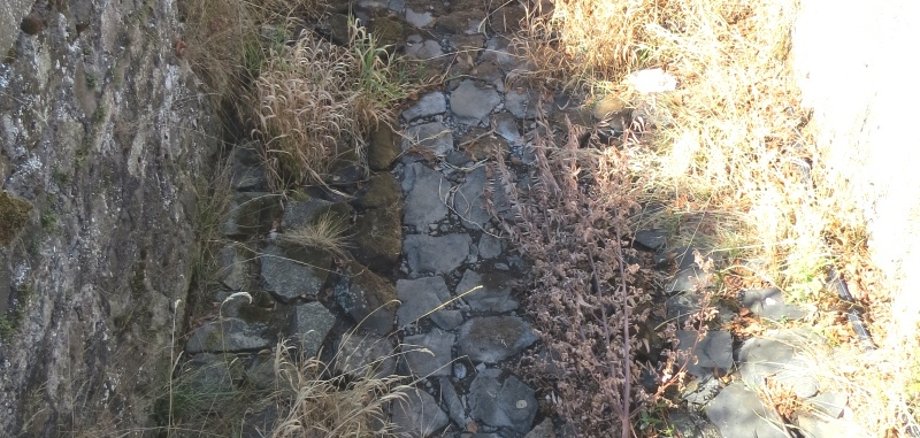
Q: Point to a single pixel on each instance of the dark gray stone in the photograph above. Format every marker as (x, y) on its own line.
(508, 404)
(228, 335)
(430, 104)
(522, 104)
(493, 339)
(365, 355)
(459, 371)
(469, 200)
(687, 280)
(419, 297)
(419, 18)
(436, 255)
(447, 319)
(780, 356)
(416, 48)
(471, 103)
(311, 324)
(249, 214)
(494, 295)
(234, 267)
(428, 354)
(382, 192)
(506, 126)
(435, 137)
(713, 351)
(418, 415)
(739, 413)
(301, 213)
(378, 238)
(691, 425)
(489, 246)
(700, 390)
(683, 305)
(769, 303)
(452, 401)
(426, 197)
(300, 274)
(818, 426)
(369, 298)
(542, 430)
(654, 240)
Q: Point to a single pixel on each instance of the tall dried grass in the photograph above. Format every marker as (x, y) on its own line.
(728, 154)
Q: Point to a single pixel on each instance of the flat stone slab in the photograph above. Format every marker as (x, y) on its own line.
(428, 354)
(738, 413)
(426, 196)
(493, 296)
(416, 48)
(652, 240)
(369, 298)
(418, 415)
(489, 247)
(779, 355)
(492, 339)
(228, 335)
(234, 267)
(770, 304)
(311, 324)
(502, 404)
(452, 401)
(712, 351)
(365, 355)
(469, 201)
(378, 238)
(291, 275)
(420, 297)
(436, 255)
(434, 136)
(430, 104)
(471, 102)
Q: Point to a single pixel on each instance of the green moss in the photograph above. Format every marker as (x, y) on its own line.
(14, 213)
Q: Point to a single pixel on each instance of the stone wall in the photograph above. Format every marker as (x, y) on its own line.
(853, 64)
(104, 134)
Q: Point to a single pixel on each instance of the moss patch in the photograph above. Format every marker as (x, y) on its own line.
(14, 213)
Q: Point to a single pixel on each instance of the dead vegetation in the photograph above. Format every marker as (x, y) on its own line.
(727, 160)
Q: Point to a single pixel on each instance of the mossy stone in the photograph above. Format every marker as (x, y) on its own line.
(378, 238)
(389, 31)
(383, 149)
(382, 192)
(14, 213)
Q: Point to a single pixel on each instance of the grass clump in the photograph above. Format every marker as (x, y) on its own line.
(315, 102)
(329, 232)
(728, 159)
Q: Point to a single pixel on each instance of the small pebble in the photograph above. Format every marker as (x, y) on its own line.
(459, 371)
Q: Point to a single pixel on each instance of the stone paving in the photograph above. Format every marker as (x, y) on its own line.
(432, 290)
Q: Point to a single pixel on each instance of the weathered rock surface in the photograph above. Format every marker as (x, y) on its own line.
(471, 102)
(502, 404)
(383, 148)
(426, 196)
(430, 104)
(418, 415)
(228, 335)
(311, 324)
(428, 354)
(769, 303)
(706, 352)
(436, 255)
(369, 298)
(435, 137)
(739, 413)
(493, 339)
(294, 273)
(420, 297)
(364, 354)
(378, 238)
(493, 295)
(105, 134)
(779, 355)
(469, 201)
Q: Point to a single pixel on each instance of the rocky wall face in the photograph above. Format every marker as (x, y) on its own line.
(104, 134)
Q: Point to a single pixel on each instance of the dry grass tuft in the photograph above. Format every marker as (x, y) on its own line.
(329, 232)
(315, 102)
(322, 406)
(729, 157)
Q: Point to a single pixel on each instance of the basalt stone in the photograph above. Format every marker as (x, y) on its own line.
(436, 255)
(311, 323)
(653, 240)
(493, 339)
(493, 295)
(502, 404)
(417, 48)
(489, 246)
(770, 304)
(469, 200)
(426, 197)
(382, 191)
(435, 137)
(234, 267)
(738, 413)
(369, 298)
(430, 104)
(428, 354)
(229, 335)
(471, 102)
(706, 352)
(418, 415)
(452, 402)
(362, 354)
(420, 297)
(307, 210)
(782, 357)
(292, 273)
(250, 213)
(378, 238)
